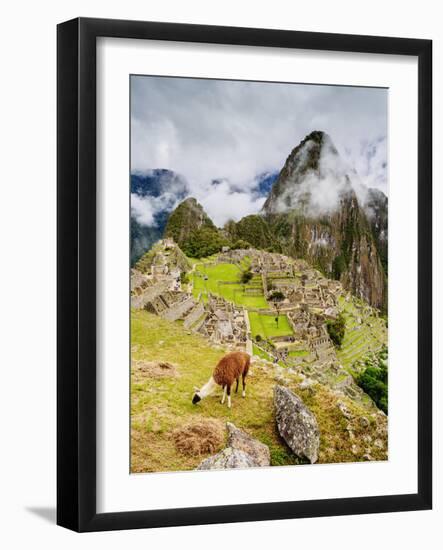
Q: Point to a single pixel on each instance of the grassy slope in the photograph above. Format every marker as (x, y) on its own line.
(158, 406)
(260, 353)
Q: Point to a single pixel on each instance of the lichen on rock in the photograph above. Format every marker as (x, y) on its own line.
(243, 451)
(241, 441)
(228, 458)
(296, 424)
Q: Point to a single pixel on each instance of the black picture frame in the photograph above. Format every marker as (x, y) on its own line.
(76, 280)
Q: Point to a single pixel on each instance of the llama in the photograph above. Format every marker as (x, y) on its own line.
(229, 368)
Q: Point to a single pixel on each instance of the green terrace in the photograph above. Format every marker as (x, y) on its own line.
(267, 327)
(224, 280)
(260, 353)
(279, 275)
(298, 353)
(360, 338)
(363, 333)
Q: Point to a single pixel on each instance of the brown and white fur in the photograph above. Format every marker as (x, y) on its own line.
(228, 369)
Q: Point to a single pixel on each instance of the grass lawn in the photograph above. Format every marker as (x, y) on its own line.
(208, 259)
(249, 302)
(266, 326)
(298, 353)
(225, 273)
(219, 272)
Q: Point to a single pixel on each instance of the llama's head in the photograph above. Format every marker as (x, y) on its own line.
(197, 396)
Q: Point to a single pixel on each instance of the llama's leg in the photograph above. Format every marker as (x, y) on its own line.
(243, 379)
(236, 387)
(229, 396)
(224, 395)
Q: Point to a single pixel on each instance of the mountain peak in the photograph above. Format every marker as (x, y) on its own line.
(317, 135)
(186, 218)
(313, 179)
(190, 202)
(315, 142)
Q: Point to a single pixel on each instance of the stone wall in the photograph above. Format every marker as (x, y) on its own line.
(148, 295)
(177, 311)
(194, 315)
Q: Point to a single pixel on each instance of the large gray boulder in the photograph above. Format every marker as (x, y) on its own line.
(241, 441)
(243, 451)
(228, 458)
(296, 424)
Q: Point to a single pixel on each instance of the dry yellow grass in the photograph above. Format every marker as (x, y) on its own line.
(197, 438)
(153, 369)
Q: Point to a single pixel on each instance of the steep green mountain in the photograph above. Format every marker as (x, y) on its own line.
(193, 230)
(254, 230)
(314, 211)
(189, 216)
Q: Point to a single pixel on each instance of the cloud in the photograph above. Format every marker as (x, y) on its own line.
(371, 163)
(222, 203)
(142, 209)
(319, 192)
(234, 130)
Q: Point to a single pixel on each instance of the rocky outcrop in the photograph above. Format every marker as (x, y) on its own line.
(243, 451)
(241, 441)
(228, 458)
(366, 430)
(296, 424)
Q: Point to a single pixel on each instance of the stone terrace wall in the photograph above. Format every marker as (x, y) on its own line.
(179, 310)
(195, 314)
(149, 294)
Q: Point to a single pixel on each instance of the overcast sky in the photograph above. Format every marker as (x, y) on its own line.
(234, 131)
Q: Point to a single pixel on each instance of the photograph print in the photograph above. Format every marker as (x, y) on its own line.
(259, 274)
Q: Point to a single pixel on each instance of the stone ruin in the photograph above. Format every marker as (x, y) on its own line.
(271, 264)
(310, 300)
(310, 328)
(157, 297)
(224, 323)
(309, 335)
(159, 291)
(218, 320)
